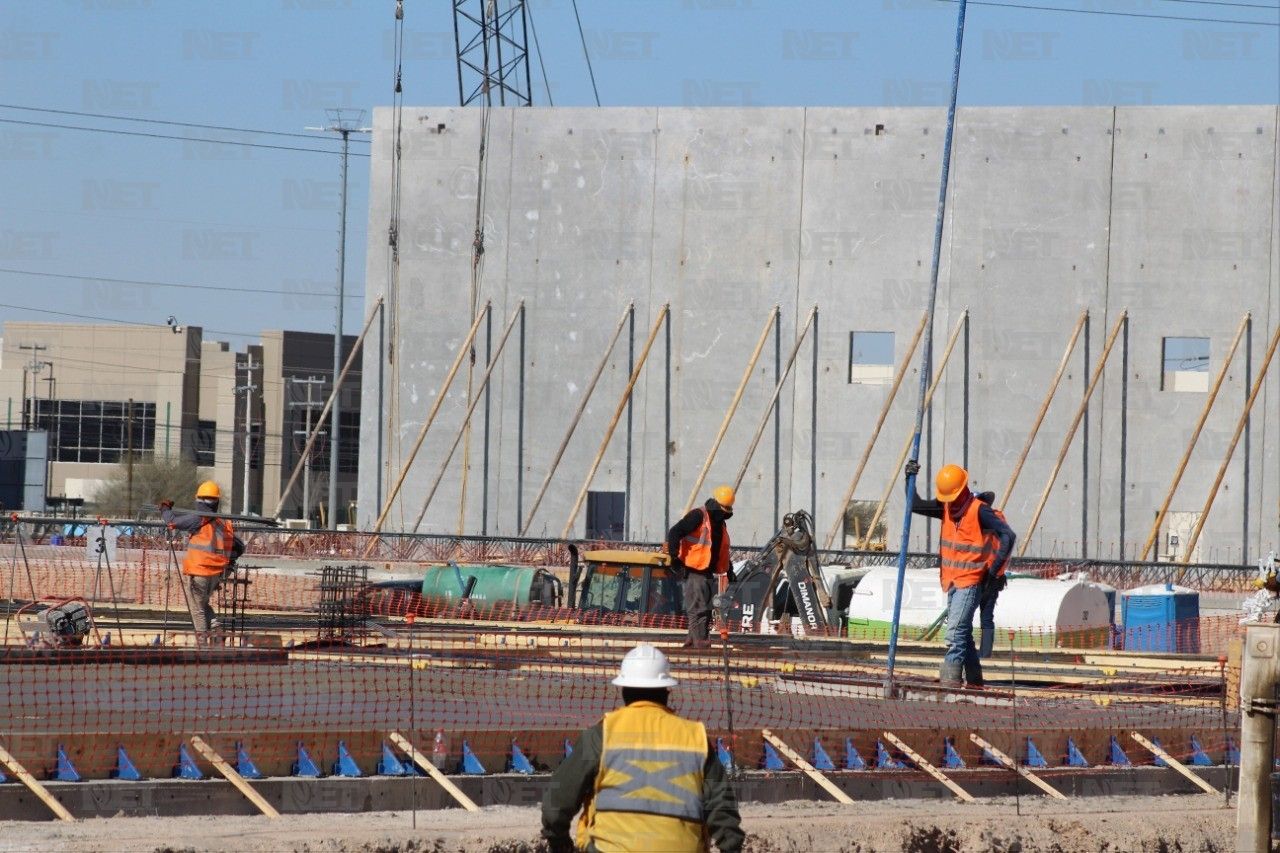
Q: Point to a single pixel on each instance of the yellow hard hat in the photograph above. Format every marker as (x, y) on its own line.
(209, 491)
(951, 481)
(724, 495)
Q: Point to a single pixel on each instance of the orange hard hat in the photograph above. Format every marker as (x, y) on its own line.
(951, 481)
(725, 496)
(209, 491)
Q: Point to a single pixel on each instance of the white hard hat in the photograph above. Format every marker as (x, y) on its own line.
(645, 666)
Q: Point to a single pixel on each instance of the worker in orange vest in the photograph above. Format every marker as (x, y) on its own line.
(974, 545)
(699, 545)
(212, 550)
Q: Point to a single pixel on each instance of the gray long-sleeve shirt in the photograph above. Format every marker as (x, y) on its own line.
(190, 522)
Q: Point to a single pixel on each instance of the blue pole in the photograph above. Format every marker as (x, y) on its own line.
(927, 359)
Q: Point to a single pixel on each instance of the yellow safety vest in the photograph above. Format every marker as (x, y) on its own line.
(648, 791)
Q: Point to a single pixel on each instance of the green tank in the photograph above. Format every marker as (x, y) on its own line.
(492, 586)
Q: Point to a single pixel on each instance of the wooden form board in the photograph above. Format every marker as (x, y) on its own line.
(233, 777)
(929, 768)
(444, 781)
(1022, 771)
(1174, 763)
(809, 769)
(36, 788)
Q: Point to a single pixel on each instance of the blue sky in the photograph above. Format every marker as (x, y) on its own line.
(265, 221)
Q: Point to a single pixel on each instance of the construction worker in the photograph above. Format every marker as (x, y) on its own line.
(645, 778)
(212, 550)
(699, 549)
(974, 545)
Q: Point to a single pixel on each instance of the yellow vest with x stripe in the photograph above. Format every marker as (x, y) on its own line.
(648, 791)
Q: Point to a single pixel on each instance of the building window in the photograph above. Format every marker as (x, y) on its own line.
(870, 358)
(96, 430)
(606, 515)
(1186, 365)
(206, 443)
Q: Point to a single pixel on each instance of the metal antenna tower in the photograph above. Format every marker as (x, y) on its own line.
(492, 39)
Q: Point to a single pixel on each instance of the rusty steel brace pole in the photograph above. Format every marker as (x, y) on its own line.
(617, 413)
(1075, 424)
(1044, 408)
(733, 406)
(1231, 448)
(875, 434)
(1195, 436)
(577, 416)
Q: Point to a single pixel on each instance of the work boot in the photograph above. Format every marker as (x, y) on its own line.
(973, 675)
(949, 674)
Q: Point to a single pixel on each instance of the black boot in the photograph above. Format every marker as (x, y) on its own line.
(973, 674)
(949, 674)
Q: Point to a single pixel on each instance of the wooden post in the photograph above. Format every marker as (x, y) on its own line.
(733, 407)
(906, 448)
(1231, 448)
(324, 412)
(426, 425)
(421, 760)
(1044, 408)
(1195, 436)
(577, 416)
(476, 397)
(613, 424)
(929, 768)
(773, 401)
(1071, 432)
(233, 777)
(36, 788)
(1019, 769)
(809, 769)
(875, 433)
(1174, 763)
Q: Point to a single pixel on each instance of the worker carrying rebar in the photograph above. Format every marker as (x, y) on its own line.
(699, 549)
(212, 551)
(645, 778)
(974, 544)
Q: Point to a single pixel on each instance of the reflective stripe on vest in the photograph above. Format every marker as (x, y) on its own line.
(695, 549)
(210, 548)
(648, 791)
(966, 551)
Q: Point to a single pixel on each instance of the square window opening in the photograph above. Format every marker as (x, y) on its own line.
(870, 358)
(1185, 365)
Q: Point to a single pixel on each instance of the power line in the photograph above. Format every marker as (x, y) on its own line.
(585, 53)
(174, 137)
(132, 281)
(117, 320)
(1118, 14)
(164, 122)
(545, 82)
(1224, 3)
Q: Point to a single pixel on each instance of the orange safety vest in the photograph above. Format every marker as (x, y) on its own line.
(695, 549)
(209, 549)
(967, 551)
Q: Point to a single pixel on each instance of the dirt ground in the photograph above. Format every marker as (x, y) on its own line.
(1172, 824)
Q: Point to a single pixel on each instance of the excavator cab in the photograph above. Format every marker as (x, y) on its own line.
(636, 585)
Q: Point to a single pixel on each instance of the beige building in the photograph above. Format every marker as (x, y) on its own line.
(101, 390)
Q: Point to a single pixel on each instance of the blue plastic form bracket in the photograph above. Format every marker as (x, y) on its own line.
(725, 756)
(1116, 756)
(821, 761)
(186, 768)
(470, 765)
(950, 758)
(568, 747)
(389, 764)
(519, 762)
(346, 764)
(1158, 762)
(770, 760)
(885, 761)
(1075, 758)
(304, 766)
(65, 770)
(1233, 752)
(852, 760)
(124, 767)
(244, 764)
(1199, 758)
(1034, 757)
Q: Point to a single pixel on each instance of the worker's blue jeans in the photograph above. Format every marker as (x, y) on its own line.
(987, 622)
(961, 605)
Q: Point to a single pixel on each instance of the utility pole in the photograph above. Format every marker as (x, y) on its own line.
(1260, 669)
(128, 459)
(310, 403)
(248, 388)
(344, 122)
(34, 368)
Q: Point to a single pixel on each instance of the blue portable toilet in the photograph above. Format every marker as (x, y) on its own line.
(1161, 618)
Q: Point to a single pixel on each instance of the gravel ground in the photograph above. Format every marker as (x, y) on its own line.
(1172, 824)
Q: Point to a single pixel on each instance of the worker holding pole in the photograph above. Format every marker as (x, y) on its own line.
(974, 545)
(212, 550)
(645, 778)
(699, 549)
